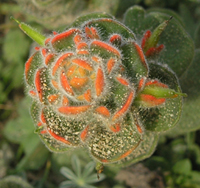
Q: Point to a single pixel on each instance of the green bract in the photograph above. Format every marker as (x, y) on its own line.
(97, 85)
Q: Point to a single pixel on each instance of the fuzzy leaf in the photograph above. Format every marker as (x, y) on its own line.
(178, 45)
(187, 17)
(190, 84)
(110, 25)
(168, 12)
(166, 116)
(85, 96)
(145, 149)
(81, 20)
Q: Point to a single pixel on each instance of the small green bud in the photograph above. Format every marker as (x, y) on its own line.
(31, 32)
(153, 40)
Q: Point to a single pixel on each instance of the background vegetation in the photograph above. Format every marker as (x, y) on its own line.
(24, 160)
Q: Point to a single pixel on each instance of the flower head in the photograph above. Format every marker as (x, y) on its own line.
(91, 86)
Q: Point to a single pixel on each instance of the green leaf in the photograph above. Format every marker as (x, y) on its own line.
(67, 184)
(17, 75)
(68, 173)
(110, 25)
(158, 162)
(145, 149)
(89, 168)
(16, 129)
(14, 182)
(16, 46)
(31, 32)
(183, 167)
(168, 12)
(135, 67)
(93, 178)
(197, 36)
(123, 5)
(64, 159)
(76, 165)
(6, 157)
(186, 16)
(191, 105)
(81, 20)
(21, 131)
(88, 186)
(179, 47)
(195, 177)
(164, 117)
(51, 143)
(133, 18)
(36, 154)
(194, 151)
(3, 95)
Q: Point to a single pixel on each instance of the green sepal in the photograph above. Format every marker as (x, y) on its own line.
(160, 92)
(153, 40)
(31, 32)
(167, 115)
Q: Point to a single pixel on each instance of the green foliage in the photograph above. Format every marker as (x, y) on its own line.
(20, 131)
(190, 84)
(14, 182)
(174, 161)
(13, 65)
(178, 44)
(80, 178)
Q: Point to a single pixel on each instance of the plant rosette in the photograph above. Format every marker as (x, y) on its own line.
(93, 86)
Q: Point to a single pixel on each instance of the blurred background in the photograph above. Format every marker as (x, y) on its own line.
(25, 161)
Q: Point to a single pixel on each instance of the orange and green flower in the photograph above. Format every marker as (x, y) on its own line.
(92, 86)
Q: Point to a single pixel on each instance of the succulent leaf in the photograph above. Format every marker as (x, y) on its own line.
(167, 115)
(94, 87)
